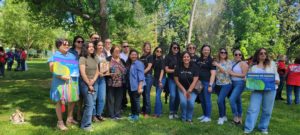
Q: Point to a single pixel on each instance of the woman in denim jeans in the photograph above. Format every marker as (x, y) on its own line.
(261, 64)
(88, 65)
(223, 81)
(238, 73)
(159, 79)
(293, 81)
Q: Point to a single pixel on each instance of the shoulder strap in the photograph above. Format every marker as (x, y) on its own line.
(235, 64)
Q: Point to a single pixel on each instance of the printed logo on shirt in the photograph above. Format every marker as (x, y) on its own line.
(295, 68)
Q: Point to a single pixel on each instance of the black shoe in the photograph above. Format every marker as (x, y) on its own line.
(281, 98)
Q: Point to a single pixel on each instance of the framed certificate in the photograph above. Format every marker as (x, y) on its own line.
(104, 67)
(260, 81)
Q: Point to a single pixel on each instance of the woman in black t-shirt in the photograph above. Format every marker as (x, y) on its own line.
(207, 74)
(186, 77)
(171, 61)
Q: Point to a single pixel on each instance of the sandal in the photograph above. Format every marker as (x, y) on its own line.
(61, 126)
(95, 119)
(70, 122)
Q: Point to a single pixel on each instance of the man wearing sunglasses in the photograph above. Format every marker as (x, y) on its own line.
(124, 56)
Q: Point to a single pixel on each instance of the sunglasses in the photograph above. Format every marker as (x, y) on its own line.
(263, 53)
(237, 54)
(223, 52)
(125, 46)
(79, 42)
(175, 48)
(192, 47)
(158, 51)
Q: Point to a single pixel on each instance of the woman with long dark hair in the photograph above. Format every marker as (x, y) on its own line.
(171, 61)
(207, 74)
(261, 65)
(159, 79)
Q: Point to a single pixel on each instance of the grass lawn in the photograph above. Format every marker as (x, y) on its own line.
(29, 91)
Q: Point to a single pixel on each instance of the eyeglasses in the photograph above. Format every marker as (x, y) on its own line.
(96, 38)
(237, 54)
(125, 46)
(175, 48)
(192, 48)
(79, 42)
(158, 51)
(223, 52)
(263, 53)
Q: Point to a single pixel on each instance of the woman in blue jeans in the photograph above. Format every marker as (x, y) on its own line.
(238, 72)
(88, 65)
(101, 92)
(171, 61)
(159, 79)
(207, 74)
(261, 64)
(223, 81)
(186, 77)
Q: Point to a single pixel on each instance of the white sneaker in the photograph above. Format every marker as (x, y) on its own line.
(265, 132)
(171, 116)
(176, 116)
(221, 121)
(206, 119)
(201, 117)
(225, 118)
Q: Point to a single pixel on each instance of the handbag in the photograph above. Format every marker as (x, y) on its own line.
(198, 87)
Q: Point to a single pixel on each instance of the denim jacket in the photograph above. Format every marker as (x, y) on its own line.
(136, 75)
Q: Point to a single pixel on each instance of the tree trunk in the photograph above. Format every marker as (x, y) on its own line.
(103, 31)
(191, 22)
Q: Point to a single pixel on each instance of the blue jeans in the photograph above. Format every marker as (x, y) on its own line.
(89, 104)
(235, 98)
(225, 90)
(266, 98)
(289, 89)
(158, 103)
(187, 105)
(146, 94)
(101, 94)
(2, 68)
(280, 87)
(174, 96)
(135, 102)
(205, 98)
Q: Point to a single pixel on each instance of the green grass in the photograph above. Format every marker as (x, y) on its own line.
(29, 91)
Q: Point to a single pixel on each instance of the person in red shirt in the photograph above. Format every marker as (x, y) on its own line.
(2, 61)
(293, 81)
(281, 69)
(23, 59)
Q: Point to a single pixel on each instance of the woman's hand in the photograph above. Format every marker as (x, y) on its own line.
(65, 78)
(160, 85)
(91, 82)
(209, 89)
(140, 91)
(187, 94)
(215, 64)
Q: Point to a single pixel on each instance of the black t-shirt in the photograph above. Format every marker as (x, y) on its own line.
(146, 59)
(186, 75)
(194, 59)
(158, 65)
(171, 61)
(205, 66)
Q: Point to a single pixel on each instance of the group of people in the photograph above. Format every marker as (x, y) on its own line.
(19, 55)
(129, 72)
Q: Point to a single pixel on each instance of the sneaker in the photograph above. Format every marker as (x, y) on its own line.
(225, 118)
(205, 120)
(265, 132)
(133, 117)
(88, 129)
(61, 126)
(171, 116)
(221, 121)
(201, 117)
(176, 116)
(189, 121)
(95, 119)
(247, 132)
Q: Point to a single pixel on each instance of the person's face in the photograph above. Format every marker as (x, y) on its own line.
(238, 55)
(125, 47)
(107, 43)
(116, 52)
(91, 48)
(64, 47)
(133, 56)
(206, 51)
(223, 54)
(263, 54)
(95, 37)
(100, 46)
(158, 52)
(186, 58)
(79, 42)
(192, 49)
(175, 49)
(147, 49)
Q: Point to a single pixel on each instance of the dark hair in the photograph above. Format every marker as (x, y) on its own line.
(201, 50)
(154, 53)
(267, 61)
(129, 61)
(1, 49)
(74, 40)
(181, 57)
(171, 46)
(112, 49)
(84, 51)
(243, 58)
(297, 60)
(145, 44)
(58, 42)
(220, 53)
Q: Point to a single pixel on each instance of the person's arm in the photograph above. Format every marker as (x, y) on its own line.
(160, 78)
(244, 67)
(51, 66)
(168, 70)
(92, 81)
(211, 80)
(193, 85)
(148, 68)
(179, 84)
(277, 79)
(140, 76)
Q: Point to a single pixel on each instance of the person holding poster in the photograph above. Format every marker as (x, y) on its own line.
(89, 74)
(64, 87)
(265, 98)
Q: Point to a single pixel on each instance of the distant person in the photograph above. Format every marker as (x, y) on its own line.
(17, 56)
(95, 38)
(23, 58)
(124, 55)
(293, 81)
(107, 47)
(2, 61)
(10, 60)
(281, 69)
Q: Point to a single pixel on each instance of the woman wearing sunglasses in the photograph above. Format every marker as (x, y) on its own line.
(223, 81)
(261, 64)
